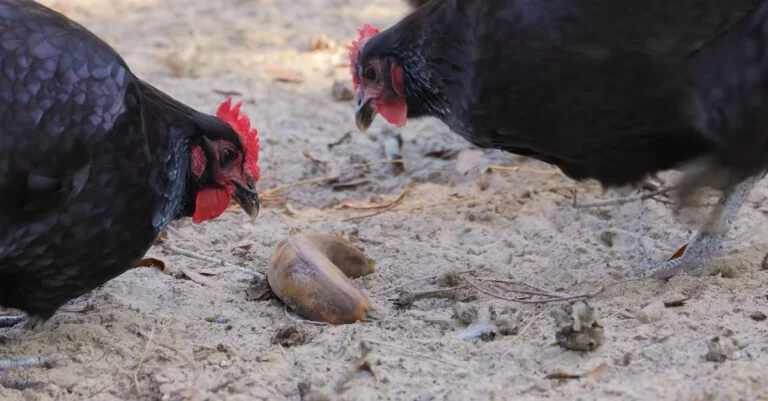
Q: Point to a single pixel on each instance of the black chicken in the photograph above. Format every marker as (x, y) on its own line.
(94, 162)
(609, 90)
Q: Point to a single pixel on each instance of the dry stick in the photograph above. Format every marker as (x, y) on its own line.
(141, 360)
(515, 169)
(374, 162)
(392, 205)
(415, 353)
(530, 323)
(442, 203)
(539, 290)
(209, 259)
(425, 278)
(626, 199)
(408, 298)
(308, 181)
(527, 301)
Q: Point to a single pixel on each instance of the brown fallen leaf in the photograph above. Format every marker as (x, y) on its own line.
(197, 277)
(162, 237)
(674, 302)
(152, 262)
(242, 248)
(598, 372)
(309, 156)
(678, 253)
(286, 75)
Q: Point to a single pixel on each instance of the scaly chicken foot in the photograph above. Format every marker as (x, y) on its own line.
(707, 243)
(10, 320)
(6, 365)
(10, 364)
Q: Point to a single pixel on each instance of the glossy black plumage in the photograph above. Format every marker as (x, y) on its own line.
(610, 90)
(93, 161)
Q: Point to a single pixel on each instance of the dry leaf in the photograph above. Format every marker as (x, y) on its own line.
(353, 204)
(598, 372)
(289, 210)
(286, 75)
(152, 262)
(196, 277)
(679, 252)
(679, 301)
(242, 248)
(561, 376)
(162, 237)
(309, 156)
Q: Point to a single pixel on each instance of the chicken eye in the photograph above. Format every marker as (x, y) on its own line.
(369, 73)
(227, 157)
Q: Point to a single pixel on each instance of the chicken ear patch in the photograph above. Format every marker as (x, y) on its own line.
(211, 203)
(248, 136)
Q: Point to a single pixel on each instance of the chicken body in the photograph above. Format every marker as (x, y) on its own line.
(611, 91)
(94, 162)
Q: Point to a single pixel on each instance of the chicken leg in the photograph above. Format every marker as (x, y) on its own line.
(707, 243)
(10, 364)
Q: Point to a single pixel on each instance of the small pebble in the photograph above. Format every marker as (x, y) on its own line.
(466, 313)
(653, 312)
(757, 316)
(722, 348)
(578, 327)
(507, 325)
(223, 320)
(342, 91)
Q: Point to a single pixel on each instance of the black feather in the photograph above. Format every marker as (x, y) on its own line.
(93, 161)
(613, 91)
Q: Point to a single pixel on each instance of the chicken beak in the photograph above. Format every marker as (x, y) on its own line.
(247, 198)
(364, 113)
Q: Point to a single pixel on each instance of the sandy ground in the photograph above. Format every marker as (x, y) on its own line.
(155, 336)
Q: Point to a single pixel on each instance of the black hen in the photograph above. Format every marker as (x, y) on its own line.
(609, 90)
(94, 162)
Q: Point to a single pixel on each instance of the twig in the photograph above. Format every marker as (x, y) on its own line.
(530, 323)
(141, 360)
(441, 203)
(537, 301)
(626, 199)
(392, 205)
(407, 299)
(373, 162)
(537, 290)
(425, 278)
(347, 136)
(415, 353)
(308, 181)
(209, 259)
(515, 169)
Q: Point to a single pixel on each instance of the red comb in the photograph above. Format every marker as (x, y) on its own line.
(366, 33)
(248, 136)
